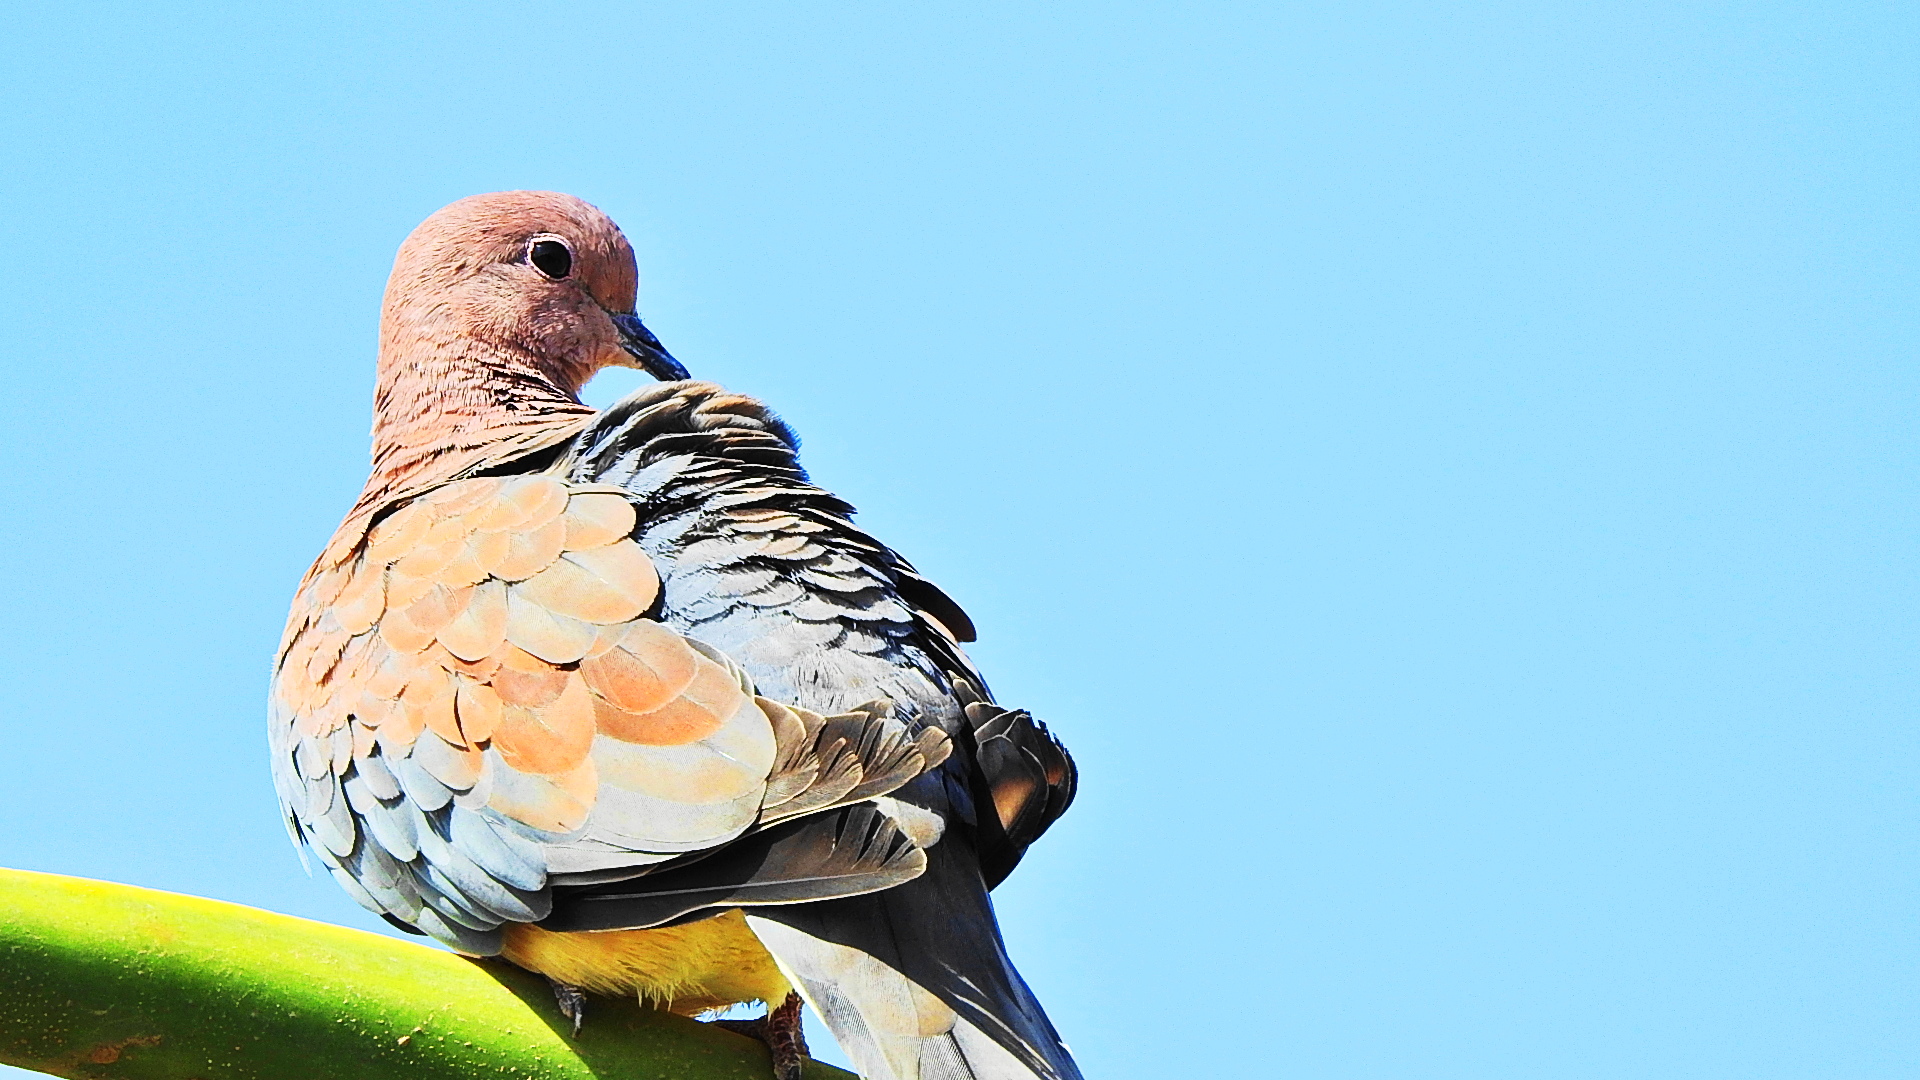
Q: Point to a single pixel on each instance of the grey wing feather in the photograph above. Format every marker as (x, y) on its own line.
(843, 852)
(851, 757)
(915, 981)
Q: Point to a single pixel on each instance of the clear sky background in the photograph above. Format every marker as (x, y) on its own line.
(1446, 470)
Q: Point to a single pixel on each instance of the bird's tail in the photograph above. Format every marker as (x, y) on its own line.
(914, 980)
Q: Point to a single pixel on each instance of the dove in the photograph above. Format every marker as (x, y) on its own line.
(623, 698)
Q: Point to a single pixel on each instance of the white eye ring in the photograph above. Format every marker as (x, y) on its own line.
(551, 255)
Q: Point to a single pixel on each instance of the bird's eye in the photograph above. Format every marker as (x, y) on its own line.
(551, 257)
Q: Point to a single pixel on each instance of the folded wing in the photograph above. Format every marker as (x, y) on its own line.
(471, 706)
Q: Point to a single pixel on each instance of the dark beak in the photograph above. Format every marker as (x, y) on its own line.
(644, 347)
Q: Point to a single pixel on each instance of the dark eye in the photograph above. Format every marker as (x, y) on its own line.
(551, 257)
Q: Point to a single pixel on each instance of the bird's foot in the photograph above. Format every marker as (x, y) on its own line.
(572, 1001)
(781, 1030)
(786, 1038)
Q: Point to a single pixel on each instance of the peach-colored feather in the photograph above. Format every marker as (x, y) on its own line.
(532, 689)
(595, 518)
(649, 667)
(478, 707)
(552, 738)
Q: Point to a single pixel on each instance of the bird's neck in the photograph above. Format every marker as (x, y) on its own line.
(442, 408)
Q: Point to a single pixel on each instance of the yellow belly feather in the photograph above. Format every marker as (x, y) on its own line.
(687, 969)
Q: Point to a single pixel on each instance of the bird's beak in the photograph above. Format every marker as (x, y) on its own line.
(640, 344)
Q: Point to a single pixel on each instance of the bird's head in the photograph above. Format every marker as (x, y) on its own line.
(535, 282)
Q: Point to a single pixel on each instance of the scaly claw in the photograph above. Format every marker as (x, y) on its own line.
(781, 1029)
(572, 1001)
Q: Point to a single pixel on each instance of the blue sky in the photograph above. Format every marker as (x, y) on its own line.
(1447, 471)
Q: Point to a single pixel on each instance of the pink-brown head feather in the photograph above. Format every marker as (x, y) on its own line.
(477, 344)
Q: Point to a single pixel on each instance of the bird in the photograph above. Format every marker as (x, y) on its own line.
(623, 698)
